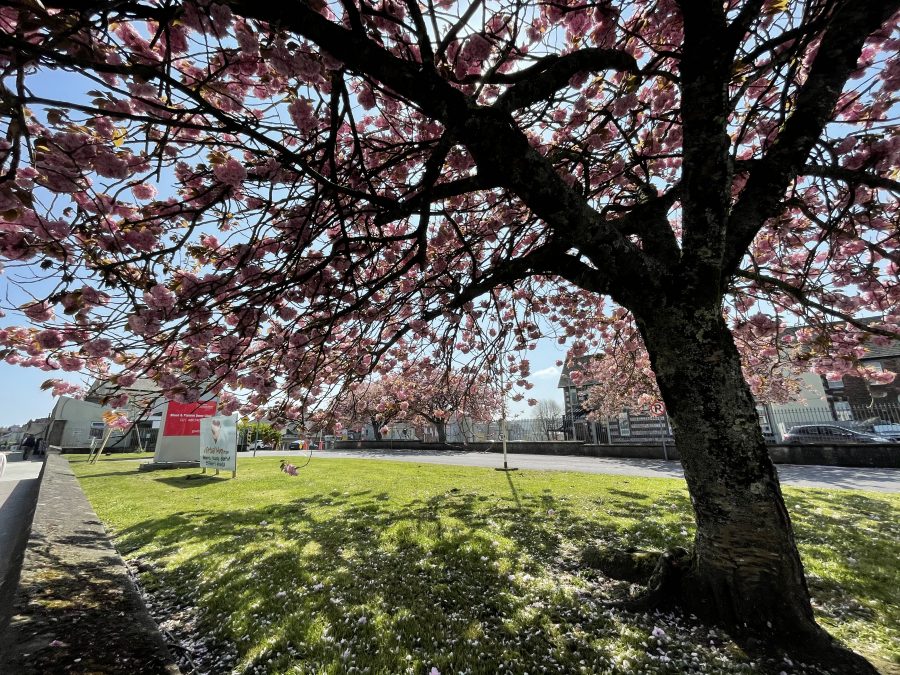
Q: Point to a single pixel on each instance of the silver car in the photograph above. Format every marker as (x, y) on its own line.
(830, 433)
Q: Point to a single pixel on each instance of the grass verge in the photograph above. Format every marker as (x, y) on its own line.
(391, 567)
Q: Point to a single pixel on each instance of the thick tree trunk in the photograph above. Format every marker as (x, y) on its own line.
(441, 431)
(744, 570)
(376, 429)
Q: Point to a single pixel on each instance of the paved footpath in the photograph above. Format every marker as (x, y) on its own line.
(75, 610)
(828, 477)
(18, 495)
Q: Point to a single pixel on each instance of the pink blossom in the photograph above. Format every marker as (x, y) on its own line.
(231, 172)
(366, 97)
(49, 339)
(125, 379)
(159, 297)
(63, 388)
(116, 419)
(38, 311)
(143, 191)
(301, 112)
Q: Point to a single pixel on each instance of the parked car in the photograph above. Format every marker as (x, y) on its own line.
(295, 445)
(830, 433)
(890, 431)
(260, 445)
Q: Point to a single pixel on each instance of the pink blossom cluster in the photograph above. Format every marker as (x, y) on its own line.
(314, 232)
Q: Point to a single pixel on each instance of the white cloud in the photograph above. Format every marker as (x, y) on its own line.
(546, 373)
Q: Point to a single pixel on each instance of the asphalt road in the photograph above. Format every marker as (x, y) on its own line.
(829, 477)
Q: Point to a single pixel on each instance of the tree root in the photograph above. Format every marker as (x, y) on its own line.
(672, 584)
(630, 564)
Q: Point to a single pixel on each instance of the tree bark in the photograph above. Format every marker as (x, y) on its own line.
(376, 430)
(744, 570)
(441, 431)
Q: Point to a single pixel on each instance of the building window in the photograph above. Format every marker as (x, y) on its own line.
(835, 383)
(842, 411)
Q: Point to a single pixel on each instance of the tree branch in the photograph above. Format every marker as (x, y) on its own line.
(851, 176)
(501, 151)
(804, 299)
(706, 69)
(543, 79)
(836, 59)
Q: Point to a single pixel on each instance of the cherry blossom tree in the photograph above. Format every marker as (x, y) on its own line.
(376, 403)
(272, 200)
(419, 396)
(453, 396)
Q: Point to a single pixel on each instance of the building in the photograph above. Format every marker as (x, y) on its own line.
(852, 392)
(11, 436)
(851, 400)
(628, 426)
(76, 424)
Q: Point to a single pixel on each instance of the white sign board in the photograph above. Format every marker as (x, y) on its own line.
(624, 425)
(218, 443)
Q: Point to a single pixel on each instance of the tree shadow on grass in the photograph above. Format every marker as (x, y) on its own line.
(192, 480)
(338, 581)
(327, 583)
(850, 544)
(91, 476)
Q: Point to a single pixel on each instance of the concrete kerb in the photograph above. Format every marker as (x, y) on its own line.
(76, 609)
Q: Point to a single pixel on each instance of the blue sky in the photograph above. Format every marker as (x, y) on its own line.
(21, 398)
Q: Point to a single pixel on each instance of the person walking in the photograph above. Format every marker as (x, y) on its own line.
(28, 446)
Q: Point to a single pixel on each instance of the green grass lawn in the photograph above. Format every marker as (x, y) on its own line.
(392, 567)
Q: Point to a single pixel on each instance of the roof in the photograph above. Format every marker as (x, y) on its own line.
(875, 352)
(564, 379)
(102, 388)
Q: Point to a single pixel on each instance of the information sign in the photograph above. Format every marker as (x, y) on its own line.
(183, 419)
(218, 443)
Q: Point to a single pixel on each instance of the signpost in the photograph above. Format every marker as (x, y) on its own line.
(218, 444)
(96, 450)
(658, 409)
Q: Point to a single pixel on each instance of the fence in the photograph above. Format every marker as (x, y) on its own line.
(626, 428)
(880, 417)
(643, 428)
(549, 429)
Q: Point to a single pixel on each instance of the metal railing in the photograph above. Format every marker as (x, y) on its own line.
(517, 430)
(876, 418)
(775, 421)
